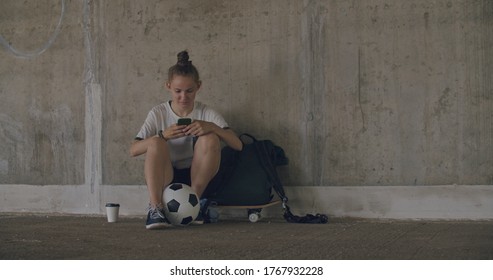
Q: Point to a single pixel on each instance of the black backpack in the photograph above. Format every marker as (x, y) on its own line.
(247, 177)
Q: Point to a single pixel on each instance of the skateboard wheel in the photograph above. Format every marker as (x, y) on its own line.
(254, 217)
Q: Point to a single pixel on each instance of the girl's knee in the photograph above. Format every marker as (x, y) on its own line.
(208, 141)
(156, 145)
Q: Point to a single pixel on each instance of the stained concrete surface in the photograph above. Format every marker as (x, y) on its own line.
(29, 236)
(384, 94)
(378, 93)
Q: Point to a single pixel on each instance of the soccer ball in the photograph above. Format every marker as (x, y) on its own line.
(181, 204)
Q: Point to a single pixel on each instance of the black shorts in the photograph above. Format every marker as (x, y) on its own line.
(183, 176)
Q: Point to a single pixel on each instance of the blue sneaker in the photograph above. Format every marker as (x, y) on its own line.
(199, 220)
(206, 214)
(156, 219)
(213, 214)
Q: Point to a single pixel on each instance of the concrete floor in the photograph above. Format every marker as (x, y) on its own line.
(56, 237)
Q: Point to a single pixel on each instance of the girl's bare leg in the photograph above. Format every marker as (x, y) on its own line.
(205, 163)
(157, 169)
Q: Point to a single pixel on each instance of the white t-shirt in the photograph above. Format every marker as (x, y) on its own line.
(162, 117)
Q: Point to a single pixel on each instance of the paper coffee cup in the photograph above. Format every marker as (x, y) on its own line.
(112, 210)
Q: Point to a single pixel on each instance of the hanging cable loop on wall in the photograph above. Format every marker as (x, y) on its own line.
(43, 48)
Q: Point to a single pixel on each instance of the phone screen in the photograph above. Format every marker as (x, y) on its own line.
(185, 121)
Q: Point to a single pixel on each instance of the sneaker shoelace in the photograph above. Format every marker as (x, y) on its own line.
(155, 213)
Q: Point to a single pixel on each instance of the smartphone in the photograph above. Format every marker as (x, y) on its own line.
(184, 121)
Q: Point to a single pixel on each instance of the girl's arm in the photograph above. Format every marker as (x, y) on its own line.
(228, 136)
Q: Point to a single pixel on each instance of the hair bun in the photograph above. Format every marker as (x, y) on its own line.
(183, 59)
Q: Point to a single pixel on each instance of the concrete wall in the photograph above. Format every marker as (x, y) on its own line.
(375, 102)
(41, 117)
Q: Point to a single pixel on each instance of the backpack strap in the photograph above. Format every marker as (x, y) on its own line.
(265, 150)
(307, 219)
(268, 157)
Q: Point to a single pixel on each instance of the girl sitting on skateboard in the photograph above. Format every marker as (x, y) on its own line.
(184, 153)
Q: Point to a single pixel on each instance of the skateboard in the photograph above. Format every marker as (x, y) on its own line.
(252, 210)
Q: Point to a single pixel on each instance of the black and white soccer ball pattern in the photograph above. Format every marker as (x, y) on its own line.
(181, 203)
